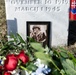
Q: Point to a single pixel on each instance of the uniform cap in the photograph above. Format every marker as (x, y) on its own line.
(36, 26)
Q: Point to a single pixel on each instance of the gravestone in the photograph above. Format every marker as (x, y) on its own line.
(55, 12)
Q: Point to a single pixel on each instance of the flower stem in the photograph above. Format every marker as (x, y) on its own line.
(23, 68)
(55, 65)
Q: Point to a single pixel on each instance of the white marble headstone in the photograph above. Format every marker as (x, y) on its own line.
(18, 12)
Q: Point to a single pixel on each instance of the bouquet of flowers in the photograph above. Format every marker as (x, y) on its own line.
(19, 57)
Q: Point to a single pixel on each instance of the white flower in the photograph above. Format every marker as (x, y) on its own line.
(38, 61)
(13, 72)
(42, 69)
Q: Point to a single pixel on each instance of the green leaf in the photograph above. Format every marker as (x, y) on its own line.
(1, 52)
(13, 37)
(31, 67)
(46, 58)
(31, 39)
(37, 46)
(43, 56)
(62, 49)
(62, 72)
(69, 66)
(72, 56)
(20, 38)
(56, 72)
(64, 54)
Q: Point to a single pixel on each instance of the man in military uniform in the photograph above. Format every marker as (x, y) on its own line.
(37, 35)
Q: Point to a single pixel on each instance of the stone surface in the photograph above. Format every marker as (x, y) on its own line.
(18, 12)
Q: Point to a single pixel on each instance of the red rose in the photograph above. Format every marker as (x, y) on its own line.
(0, 70)
(10, 63)
(7, 73)
(24, 58)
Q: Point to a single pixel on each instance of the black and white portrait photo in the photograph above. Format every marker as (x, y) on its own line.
(39, 31)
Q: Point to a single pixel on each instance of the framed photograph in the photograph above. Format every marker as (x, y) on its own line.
(40, 32)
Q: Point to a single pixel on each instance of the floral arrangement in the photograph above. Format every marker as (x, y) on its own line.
(12, 61)
(19, 57)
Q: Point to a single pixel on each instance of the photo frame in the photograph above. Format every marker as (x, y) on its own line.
(40, 32)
